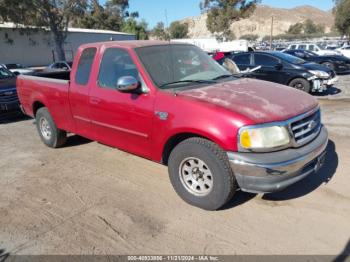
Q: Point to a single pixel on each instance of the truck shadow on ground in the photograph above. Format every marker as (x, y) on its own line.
(75, 140)
(344, 255)
(312, 182)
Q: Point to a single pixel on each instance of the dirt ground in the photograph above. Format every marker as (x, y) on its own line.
(87, 198)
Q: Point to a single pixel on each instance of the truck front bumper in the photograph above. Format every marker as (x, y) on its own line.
(272, 172)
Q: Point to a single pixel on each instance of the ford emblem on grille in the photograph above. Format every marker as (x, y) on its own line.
(8, 93)
(312, 124)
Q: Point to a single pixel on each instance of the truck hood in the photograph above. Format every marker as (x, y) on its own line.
(259, 101)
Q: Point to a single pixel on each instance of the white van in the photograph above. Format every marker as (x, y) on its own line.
(314, 48)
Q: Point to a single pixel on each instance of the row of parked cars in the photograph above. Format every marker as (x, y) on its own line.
(298, 68)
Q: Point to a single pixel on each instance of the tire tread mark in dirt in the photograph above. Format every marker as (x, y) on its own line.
(37, 236)
(119, 234)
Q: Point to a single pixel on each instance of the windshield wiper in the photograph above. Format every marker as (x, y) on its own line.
(222, 77)
(189, 81)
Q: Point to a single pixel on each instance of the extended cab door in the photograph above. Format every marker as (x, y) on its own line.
(80, 90)
(122, 120)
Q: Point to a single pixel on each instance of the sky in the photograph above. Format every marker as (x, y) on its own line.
(153, 11)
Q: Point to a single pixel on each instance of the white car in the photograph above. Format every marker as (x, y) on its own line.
(345, 50)
(314, 48)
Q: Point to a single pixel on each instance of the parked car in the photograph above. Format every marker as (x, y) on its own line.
(59, 66)
(340, 64)
(314, 48)
(18, 69)
(345, 51)
(8, 93)
(288, 70)
(173, 104)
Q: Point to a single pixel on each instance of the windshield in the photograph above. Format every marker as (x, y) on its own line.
(4, 73)
(177, 65)
(289, 58)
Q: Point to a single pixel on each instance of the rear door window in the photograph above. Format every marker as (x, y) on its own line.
(265, 60)
(84, 67)
(242, 59)
(302, 47)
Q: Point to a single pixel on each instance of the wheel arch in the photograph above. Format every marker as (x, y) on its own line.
(37, 104)
(176, 139)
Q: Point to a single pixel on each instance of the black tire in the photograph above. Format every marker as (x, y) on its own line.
(301, 84)
(329, 65)
(54, 137)
(223, 185)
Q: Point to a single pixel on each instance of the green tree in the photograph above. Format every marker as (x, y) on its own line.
(311, 28)
(342, 16)
(52, 14)
(296, 29)
(178, 30)
(111, 16)
(160, 32)
(221, 14)
(139, 29)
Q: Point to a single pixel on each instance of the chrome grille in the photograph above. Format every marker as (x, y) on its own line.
(306, 129)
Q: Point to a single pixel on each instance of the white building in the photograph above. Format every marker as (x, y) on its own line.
(37, 48)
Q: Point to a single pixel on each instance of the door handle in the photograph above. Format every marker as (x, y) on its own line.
(95, 100)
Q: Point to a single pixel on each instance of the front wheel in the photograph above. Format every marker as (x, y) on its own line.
(301, 84)
(200, 173)
(48, 131)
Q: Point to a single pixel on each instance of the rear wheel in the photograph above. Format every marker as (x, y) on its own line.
(49, 133)
(301, 84)
(200, 173)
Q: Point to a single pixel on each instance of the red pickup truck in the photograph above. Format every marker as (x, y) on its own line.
(173, 104)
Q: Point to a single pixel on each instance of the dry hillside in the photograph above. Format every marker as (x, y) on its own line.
(260, 22)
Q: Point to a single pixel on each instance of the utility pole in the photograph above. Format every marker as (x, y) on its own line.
(166, 24)
(271, 36)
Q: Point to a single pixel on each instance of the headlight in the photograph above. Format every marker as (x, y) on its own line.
(320, 74)
(263, 137)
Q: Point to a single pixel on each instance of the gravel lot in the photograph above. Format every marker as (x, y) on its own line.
(87, 198)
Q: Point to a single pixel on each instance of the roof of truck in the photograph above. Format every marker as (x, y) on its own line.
(132, 43)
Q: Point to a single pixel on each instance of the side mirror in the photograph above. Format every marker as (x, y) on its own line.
(16, 73)
(128, 84)
(279, 66)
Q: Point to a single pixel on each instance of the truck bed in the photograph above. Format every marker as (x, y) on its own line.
(60, 75)
(52, 90)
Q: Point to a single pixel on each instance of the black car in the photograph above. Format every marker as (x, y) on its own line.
(8, 93)
(285, 69)
(340, 64)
